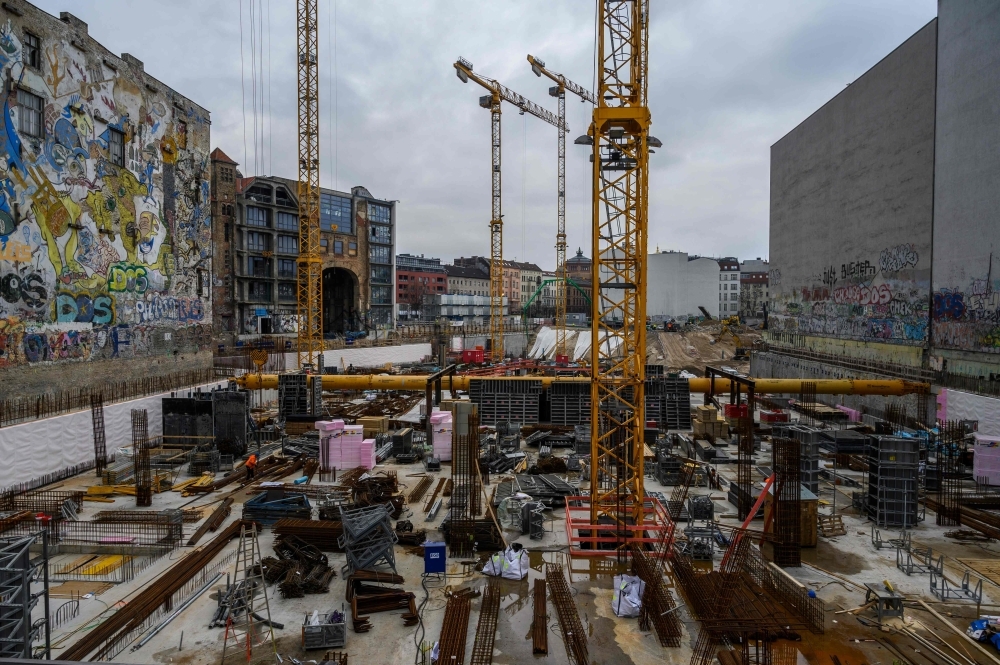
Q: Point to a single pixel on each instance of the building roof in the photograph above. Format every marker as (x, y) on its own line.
(463, 272)
(531, 267)
(579, 258)
(218, 156)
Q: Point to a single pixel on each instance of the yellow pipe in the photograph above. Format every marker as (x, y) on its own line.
(699, 385)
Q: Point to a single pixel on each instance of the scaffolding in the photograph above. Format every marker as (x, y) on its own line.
(18, 568)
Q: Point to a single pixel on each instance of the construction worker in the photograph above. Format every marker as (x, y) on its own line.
(251, 466)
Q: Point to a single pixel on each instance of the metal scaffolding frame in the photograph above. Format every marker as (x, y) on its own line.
(100, 444)
(18, 632)
(140, 458)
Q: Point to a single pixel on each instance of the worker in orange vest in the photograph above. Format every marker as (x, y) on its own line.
(251, 466)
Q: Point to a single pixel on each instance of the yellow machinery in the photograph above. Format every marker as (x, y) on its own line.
(309, 290)
(498, 95)
(620, 135)
(728, 325)
(418, 382)
(562, 84)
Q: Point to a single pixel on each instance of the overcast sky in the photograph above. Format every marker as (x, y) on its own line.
(727, 80)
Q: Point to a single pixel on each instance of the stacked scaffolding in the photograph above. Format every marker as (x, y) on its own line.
(100, 444)
(787, 505)
(668, 402)
(809, 439)
(950, 449)
(892, 481)
(368, 537)
(18, 629)
(498, 400)
(140, 458)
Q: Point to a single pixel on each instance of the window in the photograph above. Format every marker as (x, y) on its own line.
(286, 291)
(381, 295)
(352, 249)
(325, 244)
(338, 246)
(259, 193)
(381, 274)
(259, 291)
(379, 213)
(335, 213)
(286, 268)
(288, 245)
(32, 50)
(258, 266)
(257, 217)
(733, 276)
(258, 242)
(378, 254)
(287, 222)
(282, 198)
(29, 113)
(381, 233)
(116, 147)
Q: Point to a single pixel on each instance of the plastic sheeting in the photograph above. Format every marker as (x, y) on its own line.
(958, 405)
(40, 447)
(626, 601)
(373, 356)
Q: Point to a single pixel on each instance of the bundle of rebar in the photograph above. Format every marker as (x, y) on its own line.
(213, 522)
(573, 634)
(540, 621)
(100, 446)
(140, 457)
(418, 492)
(455, 628)
(657, 603)
(437, 490)
(486, 629)
(321, 534)
(105, 637)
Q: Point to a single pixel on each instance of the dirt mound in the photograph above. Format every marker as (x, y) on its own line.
(695, 347)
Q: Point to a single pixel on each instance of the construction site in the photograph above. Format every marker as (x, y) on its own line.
(819, 486)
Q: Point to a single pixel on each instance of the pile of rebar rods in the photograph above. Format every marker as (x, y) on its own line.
(539, 625)
(105, 637)
(455, 628)
(486, 630)
(367, 598)
(418, 492)
(321, 534)
(657, 603)
(573, 634)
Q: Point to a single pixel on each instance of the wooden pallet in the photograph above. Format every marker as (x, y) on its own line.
(831, 526)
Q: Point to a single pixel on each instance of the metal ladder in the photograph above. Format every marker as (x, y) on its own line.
(243, 626)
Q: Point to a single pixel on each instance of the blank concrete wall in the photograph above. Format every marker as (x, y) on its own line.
(851, 206)
(966, 308)
(677, 285)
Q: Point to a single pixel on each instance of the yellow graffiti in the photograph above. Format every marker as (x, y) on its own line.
(113, 210)
(15, 251)
(54, 214)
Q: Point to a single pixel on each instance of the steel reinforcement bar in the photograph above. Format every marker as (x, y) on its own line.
(106, 637)
(573, 634)
(455, 629)
(657, 604)
(540, 624)
(486, 630)
(418, 492)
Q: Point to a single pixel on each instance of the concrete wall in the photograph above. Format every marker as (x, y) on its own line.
(98, 261)
(851, 207)
(966, 306)
(677, 286)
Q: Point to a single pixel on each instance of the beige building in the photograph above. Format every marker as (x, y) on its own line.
(467, 281)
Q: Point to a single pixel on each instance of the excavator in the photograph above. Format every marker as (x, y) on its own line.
(728, 324)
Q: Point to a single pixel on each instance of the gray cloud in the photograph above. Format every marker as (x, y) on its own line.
(727, 79)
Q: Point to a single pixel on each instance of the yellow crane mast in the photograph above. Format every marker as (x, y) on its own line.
(620, 137)
(309, 292)
(499, 94)
(559, 91)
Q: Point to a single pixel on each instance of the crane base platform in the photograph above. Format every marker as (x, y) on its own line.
(603, 539)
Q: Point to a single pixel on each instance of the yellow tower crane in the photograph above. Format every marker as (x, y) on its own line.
(562, 84)
(620, 137)
(498, 95)
(309, 292)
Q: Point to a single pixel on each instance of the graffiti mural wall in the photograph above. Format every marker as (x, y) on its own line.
(883, 298)
(105, 228)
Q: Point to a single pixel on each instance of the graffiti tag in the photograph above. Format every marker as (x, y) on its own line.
(83, 308)
(949, 305)
(894, 259)
(123, 277)
(30, 290)
(862, 295)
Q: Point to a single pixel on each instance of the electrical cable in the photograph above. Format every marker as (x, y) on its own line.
(243, 87)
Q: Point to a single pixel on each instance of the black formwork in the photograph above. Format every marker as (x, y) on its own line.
(668, 402)
(500, 399)
(892, 481)
(569, 403)
(232, 413)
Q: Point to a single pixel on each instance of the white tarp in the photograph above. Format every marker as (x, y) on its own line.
(958, 405)
(372, 356)
(509, 564)
(40, 447)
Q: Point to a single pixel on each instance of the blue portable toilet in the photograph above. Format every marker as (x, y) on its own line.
(434, 557)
